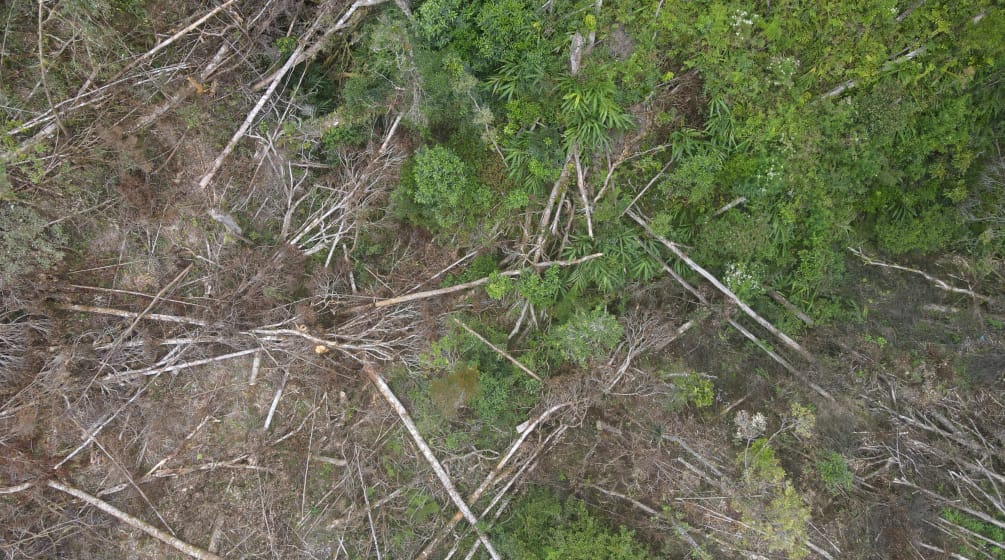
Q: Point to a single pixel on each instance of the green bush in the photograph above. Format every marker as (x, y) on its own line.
(543, 527)
(587, 335)
(834, 472)
(693, 389)
(435, 21)
(442, 192)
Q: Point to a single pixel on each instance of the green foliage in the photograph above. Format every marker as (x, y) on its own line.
(481, 266)
(987, 530)
(436, 20)
(834, 472)
(760, 465)
(883, 161)
(381, 67)
(286, 45)
(543, 527)
(442, 192)
(801, 420)
(693, 389)
(504, 397)
(342, 136)
(498, 286)
(778, 525)
(587, 335)
(590, 111)
(479, 380)
(541, 290)
(783, 525)
(29, 244)
(626, 258)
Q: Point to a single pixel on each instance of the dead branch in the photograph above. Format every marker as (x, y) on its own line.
(124, 517)
(17, 488)
(243, 129)
(743, 330)
(581, 183)
(791, 307)
(427, 453)
(127, 375)
(528, 427)
(938, 283)
(473, 284)
(677, 526)
(167, 42)
(498, 350)
(648, 185)
(546, 216)
(318, 45)
(676, 250)
(130, 314)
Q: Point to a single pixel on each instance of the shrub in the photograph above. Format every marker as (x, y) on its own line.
(587, 335)
(436, 20)
(834, 472)
(987, 530)
(692, 389)
(542, 527)
(443, 191)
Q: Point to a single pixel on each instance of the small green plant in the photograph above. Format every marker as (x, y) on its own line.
(286, 45)
(587, 335)
(693, 389)
(455, 390)
(442, 190)
(543, 527)
(879, 341)
(761, 466)
(591, 111)
(834, 472)
(498, 286)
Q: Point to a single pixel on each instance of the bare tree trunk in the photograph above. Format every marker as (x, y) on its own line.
(177, 544)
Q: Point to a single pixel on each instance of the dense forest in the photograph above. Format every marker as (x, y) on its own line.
(507, 279)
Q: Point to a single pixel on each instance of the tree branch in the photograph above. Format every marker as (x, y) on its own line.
(406, 419)
(134, 522)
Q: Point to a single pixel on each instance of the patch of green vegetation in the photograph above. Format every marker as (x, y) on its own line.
(692, 389)
(541, 526)
(441, 192)
(834, 472)
(987, 530)
(585, 336)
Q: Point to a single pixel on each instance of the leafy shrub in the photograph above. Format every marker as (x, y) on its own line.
(587, 335)
(435, 20)
(543, 527)
(783, 527)
(29, 244)
(442, 190)
(834, 472)
(692, 389)
(454, 390)
(344, 135)
(591, 111)
(761, 466)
